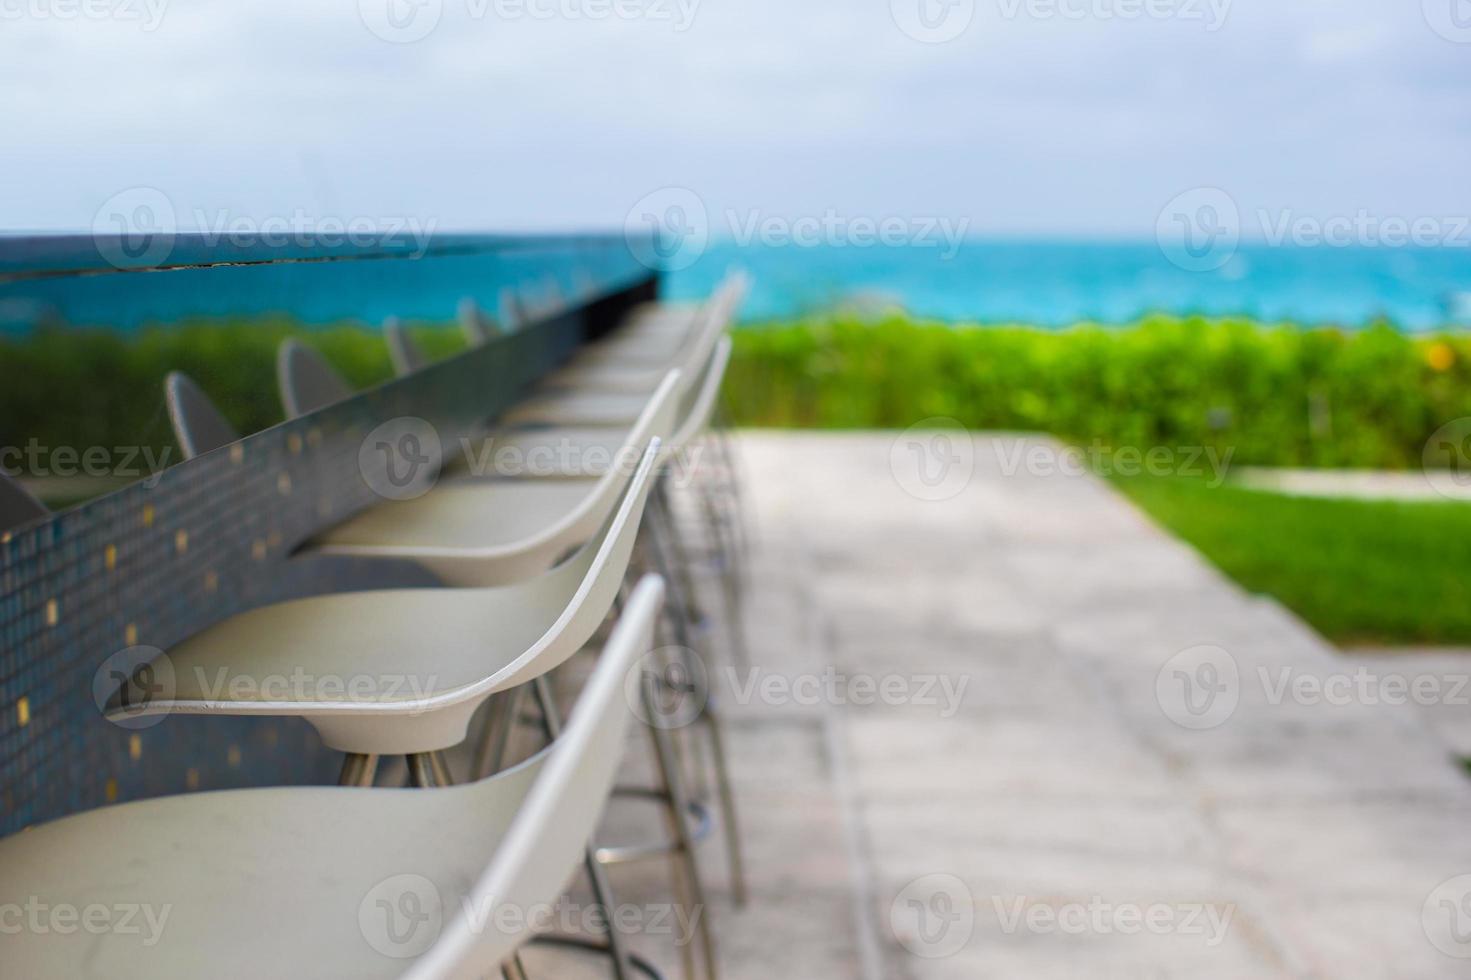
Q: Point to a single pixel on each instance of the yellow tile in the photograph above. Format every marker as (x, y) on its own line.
(258, 549)
(211, 581)
(135, 747)
(112, 791)
(109, 557)
(23, 711)
(293, 442)
(283, 483)
(237, 454)
(181, 541)
(130, 634)
(147, 515)
(233, 756)
(191, 778)
(53, 612)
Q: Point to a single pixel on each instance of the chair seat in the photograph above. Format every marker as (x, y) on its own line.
(389, 672)
(273, 883)
(580, 408)
(552, 455)
(482, 514)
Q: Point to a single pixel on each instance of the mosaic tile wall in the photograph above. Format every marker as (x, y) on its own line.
(148, 566)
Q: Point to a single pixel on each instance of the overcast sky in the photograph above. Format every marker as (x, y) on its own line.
(1031, 117)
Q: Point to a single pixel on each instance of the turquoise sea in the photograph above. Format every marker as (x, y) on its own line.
(1047, 283)
(1058, 283)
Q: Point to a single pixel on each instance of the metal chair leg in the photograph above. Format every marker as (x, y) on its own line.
(734, 851)
(358, 770)
(422, 771)
(513, 968)
(596, 873)
(678, 805)
(495, 736)
(662, 510)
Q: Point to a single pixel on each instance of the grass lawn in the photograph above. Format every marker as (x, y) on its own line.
(1362, 572)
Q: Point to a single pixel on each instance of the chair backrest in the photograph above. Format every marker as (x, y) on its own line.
(199, 427)
(306, 380)
(402, 351)
(591, 577)
(548, 836)
(657, 421)
(698, 403)
(478, 328)
(17, 506)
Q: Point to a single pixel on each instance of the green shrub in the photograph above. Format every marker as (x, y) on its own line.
(1275, 394)
(64, 386)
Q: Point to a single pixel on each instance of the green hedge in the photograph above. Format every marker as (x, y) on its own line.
(1275, 394)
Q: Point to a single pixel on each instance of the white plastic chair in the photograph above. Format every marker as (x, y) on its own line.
(407, 667)
(469, 533)
(330, 882)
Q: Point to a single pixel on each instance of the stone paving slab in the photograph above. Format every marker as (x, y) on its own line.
(1062, 814)
(1063, 780)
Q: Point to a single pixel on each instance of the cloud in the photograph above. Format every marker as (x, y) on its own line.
(1041, 121)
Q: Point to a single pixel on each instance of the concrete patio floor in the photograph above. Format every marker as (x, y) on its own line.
(1020, 732)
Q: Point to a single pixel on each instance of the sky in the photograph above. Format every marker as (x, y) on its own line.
(1044, 118)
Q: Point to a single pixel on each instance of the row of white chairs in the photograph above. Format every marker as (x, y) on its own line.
(327, 881)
